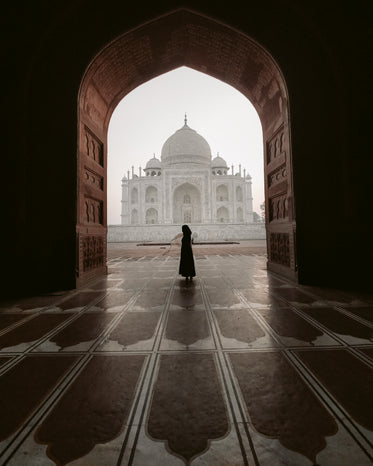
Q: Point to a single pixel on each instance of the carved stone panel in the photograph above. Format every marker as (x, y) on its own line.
(276, 146)
(278, 208)
(280, 248)
(93, 252)
(94, 105)
(93, 211)
(93, 147)
(93, 179)
(277, 175)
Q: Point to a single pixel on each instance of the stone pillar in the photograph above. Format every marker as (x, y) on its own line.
(248, 201)
(141, 203)
(168, 201)
(125, 217)
(233, 206)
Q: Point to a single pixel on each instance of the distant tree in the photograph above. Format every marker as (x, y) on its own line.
(263, 212)
(256, 217)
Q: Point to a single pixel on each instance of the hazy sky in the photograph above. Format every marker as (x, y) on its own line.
(151, 113)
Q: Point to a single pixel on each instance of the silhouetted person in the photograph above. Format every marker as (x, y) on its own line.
(186, 268)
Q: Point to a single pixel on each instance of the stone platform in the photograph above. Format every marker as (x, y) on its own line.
(237, 367)
(202, 232)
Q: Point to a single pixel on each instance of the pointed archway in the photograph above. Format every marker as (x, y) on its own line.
(186, 204)
(183, 38)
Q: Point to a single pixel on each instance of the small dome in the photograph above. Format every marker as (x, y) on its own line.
(154, 163)
(218, 162)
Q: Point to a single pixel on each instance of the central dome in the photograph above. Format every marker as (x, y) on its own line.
(186, 146)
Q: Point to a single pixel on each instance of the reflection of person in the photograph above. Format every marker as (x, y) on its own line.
(186, 268)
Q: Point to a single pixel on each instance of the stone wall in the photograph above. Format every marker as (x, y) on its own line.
(165, 233)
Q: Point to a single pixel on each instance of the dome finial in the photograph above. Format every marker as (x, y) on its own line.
(185, 119)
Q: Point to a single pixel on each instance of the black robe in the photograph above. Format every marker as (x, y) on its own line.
(186, 267)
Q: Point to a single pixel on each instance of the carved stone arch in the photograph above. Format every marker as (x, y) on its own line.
(222, 215)
(151, 194)
(186, 204)
(151, 216)
(222, 193)
(187, 38)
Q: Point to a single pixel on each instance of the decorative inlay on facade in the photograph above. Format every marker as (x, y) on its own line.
(280, 248)
(94, 148)
(275, 145)
(93, 179)
(93, 211)
(196, 181)
(277, 175)
(92, 248)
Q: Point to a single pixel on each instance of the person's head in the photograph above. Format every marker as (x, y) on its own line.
(186, 230)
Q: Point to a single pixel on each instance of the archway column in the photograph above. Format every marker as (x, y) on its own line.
(279, 202)
(91, 227)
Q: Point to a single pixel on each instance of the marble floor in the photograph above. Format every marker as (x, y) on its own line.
(237, 367)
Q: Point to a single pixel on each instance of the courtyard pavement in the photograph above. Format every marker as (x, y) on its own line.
(237, 367)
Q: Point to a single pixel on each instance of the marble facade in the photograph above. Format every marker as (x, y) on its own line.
(186, 186)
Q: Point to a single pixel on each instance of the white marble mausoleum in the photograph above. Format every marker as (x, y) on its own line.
(187, 186)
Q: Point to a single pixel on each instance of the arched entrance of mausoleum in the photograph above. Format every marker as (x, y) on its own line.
(183, 38)
(186, 204)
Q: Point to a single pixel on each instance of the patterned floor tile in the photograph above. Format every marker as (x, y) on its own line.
(143, 368)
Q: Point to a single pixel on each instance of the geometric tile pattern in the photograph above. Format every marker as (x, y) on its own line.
(237, 367)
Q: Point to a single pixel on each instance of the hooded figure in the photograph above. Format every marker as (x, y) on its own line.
(186, 268)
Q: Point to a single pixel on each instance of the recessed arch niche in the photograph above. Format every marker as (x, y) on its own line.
(184, 38)
(186, 204)
(222, 193)
(222, 215)
(151, 194)
(151, 216)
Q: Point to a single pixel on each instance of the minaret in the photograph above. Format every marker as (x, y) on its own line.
(185, 120)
